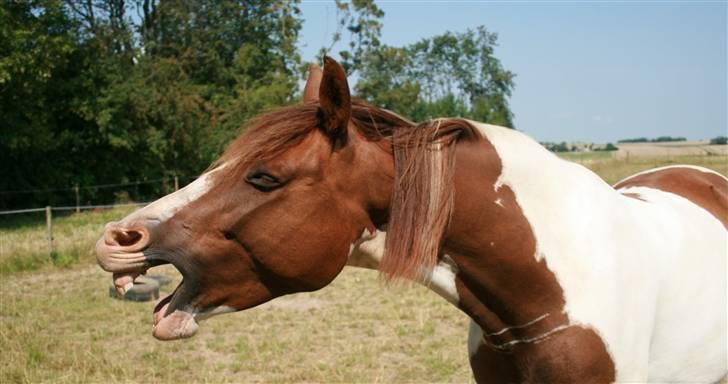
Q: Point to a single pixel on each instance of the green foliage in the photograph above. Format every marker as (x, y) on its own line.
(557, 147)
(109, 91)
(38, 82)
(144, 97)
(453, 74)
(361, 18)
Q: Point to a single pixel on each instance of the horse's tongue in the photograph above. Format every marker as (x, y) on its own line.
(124, 281)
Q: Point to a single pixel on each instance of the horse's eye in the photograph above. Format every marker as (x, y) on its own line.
(263, 181)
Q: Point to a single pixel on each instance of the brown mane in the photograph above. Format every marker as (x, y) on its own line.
(424, 161)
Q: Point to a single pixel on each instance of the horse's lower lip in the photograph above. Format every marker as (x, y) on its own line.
(177, 324)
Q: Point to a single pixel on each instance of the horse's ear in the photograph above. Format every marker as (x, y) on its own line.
(313, 84)
(335, 100)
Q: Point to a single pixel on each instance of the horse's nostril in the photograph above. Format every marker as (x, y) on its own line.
(124, 237)
(127, 238)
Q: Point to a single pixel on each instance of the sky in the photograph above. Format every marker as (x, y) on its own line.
(594, 71)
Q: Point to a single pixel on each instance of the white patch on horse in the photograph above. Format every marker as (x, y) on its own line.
(498, 201)
(164, 208)
(442, 279)
(475, 338)
(661, 265)
(368, 250)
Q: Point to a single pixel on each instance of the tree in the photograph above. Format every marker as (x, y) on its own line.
(719, 140)
(37, 80)
(361, 18)
(145, 97)
(454, 74)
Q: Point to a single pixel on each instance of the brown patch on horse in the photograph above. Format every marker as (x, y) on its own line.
(491, 366)
(502, 284)
(705, 189)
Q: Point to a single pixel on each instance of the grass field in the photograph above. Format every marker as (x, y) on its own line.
(57, 323)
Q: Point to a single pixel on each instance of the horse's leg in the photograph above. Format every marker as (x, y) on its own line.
(488, 365)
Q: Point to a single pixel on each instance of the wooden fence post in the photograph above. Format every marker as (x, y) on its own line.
(49, 226)
(176, 183)
(78, 199)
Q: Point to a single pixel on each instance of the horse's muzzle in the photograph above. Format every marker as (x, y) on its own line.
(121, 251)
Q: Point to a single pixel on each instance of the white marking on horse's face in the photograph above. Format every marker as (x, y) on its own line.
(368, 250)
(164, 208)
(498, 201)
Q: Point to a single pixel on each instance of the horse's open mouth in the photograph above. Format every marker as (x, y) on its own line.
(172, 317)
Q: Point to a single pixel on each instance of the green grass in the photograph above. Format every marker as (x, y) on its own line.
(24, 239)
(61, 326)
(58, 324)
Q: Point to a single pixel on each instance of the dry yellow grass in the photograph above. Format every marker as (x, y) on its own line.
(59, 325)
(612, 168)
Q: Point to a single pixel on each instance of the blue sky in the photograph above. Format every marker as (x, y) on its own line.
(590, 71)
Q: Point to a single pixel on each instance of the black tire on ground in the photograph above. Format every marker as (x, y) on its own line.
(144, 289)
(162, 280)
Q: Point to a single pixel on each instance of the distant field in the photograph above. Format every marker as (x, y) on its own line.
(57, 323)
(670, 149)
(614, 166)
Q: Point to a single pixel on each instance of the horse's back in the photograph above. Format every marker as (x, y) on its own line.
(702, 186)
(688, 206)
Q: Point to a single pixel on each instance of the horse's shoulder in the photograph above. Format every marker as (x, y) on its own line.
(702, 186)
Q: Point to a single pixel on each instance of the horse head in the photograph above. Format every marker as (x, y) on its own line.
(277, 214)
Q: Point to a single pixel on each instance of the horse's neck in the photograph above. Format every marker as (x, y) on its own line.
(515, 201)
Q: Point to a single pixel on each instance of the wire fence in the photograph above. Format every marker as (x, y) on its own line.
(88, 187)
(49, 232)
(23, 235)
(76, 208)
(90, 196)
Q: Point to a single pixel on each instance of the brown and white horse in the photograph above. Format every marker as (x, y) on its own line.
(565, 278)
